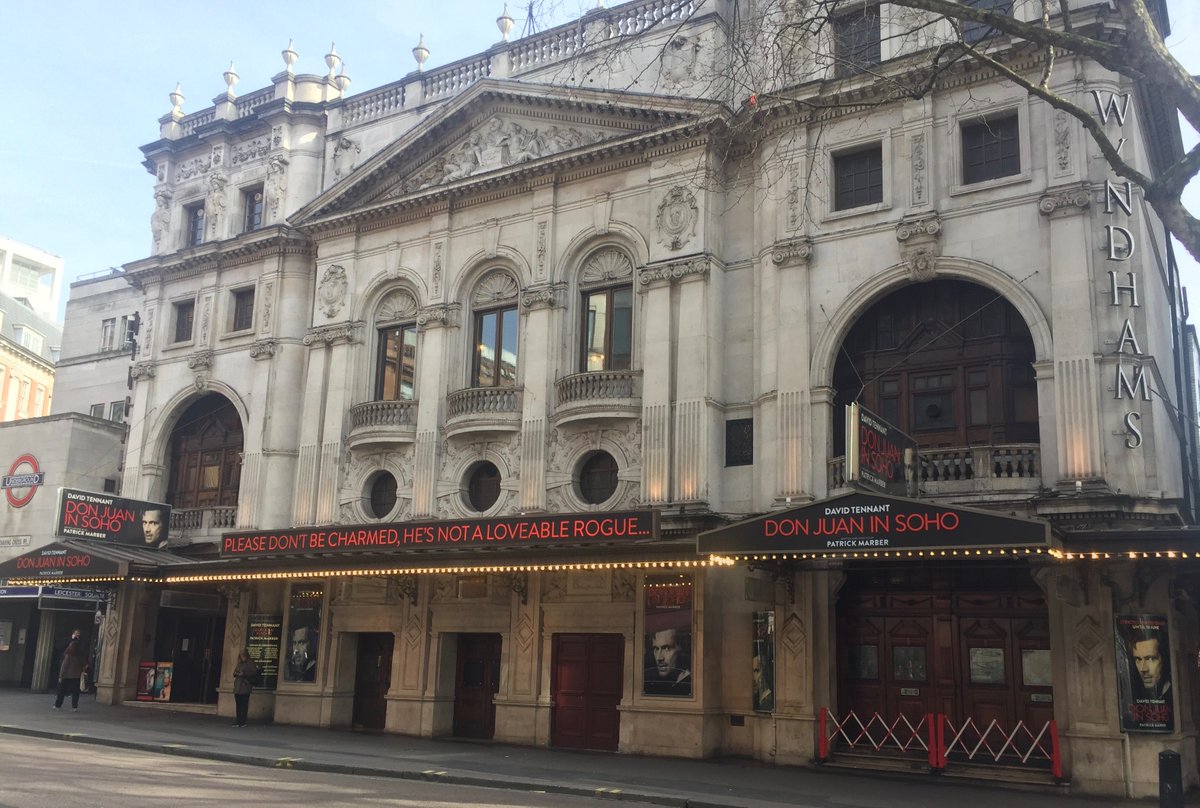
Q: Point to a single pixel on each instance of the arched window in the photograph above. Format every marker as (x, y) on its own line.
(396, 354)
(496, 331)
(949, 362)
(606, 326)
(206, 455)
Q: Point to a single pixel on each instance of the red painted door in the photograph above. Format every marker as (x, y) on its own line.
(588, 671)
(476, 683)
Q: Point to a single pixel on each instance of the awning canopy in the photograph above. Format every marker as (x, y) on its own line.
(857, 523)
(80, 561)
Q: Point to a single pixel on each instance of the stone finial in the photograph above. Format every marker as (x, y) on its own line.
(231, 78)
(420, 53)
(177, 99)
(342, 80)
(289, 57)
(505, 23)
(332, 60)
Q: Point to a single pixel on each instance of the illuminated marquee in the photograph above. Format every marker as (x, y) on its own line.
(465, 534)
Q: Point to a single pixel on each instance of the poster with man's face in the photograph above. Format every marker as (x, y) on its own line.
(1144, 673)
(304, 624)
(668, 658)
(762, 661)
(93, 515)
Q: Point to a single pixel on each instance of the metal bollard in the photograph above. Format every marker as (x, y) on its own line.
(1170, 780)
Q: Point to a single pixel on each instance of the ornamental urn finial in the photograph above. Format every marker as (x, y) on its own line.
(332, 60)
(420, 53)
(231, 78)
(342, 80)
(289, 56)
(177, 99)
(505, 23)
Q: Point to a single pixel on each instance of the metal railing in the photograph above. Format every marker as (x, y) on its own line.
(484, 401)
(373, 414)
(600, 385)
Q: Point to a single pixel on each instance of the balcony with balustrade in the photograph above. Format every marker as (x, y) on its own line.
(985, 471)
(192, 525)
(598, 396)
(382, 423)
(483, 410)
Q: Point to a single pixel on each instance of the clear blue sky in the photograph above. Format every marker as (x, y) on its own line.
(87, 82)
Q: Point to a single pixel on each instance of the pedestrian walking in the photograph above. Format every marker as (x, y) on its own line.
(69, 672)
(245, 676)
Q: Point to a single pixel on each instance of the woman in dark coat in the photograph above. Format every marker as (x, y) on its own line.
(73, 661)
(244, 677)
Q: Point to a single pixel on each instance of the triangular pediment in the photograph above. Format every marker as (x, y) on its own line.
(500, 128)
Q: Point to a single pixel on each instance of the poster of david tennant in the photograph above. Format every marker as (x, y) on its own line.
(1144, 673)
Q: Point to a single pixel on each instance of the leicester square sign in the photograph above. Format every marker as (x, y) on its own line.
(860, 522)
(462, 534)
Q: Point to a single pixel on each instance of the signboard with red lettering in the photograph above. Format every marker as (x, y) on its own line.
(92, 515)
(451, 534)
(878, 455)
(57, 561)
(858, 522)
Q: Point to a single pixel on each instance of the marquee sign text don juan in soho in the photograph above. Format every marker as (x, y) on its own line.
(516, 531)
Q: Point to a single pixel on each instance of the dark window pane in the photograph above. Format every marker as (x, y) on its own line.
(243, 309)
(483, 487)
(933, 411)
(598, 478)
(195, 223)
(856, 41)
(979, 408)
(622, 329)
(595, 324)
(858, 178)
(397, 363)
(408, 363)
(890, 411)
(253, 200)
(973, 31)
(739, 442)
(991, 149)
(383, 495)
(183, 320)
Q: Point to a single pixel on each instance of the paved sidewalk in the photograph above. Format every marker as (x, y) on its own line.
(671, 782)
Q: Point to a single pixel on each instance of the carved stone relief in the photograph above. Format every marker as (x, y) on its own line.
(554, 586)
(397, 305)
(276, 185)
(193, 168)
(540, 259)
(1062, 142)
(623, 584)
(497, 286)
(918, 167)
(160, 220)
(205, 321)
(437, 269)
(1064, 200)
(677, 217)
(679, 58)
(920, 244)
(244, 152)
(673, 271)
(268, 302)
(345, 157)
(214, 203)
(332, 290)
(606, 265)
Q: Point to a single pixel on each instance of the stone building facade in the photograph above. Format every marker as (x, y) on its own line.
(451, 375)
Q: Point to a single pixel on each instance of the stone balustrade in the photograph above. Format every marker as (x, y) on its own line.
(968, 469)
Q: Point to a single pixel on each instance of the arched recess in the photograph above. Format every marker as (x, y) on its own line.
(388, 354)
(618, 234)
(949, 361)
(491, 324)
(382, 284)
(204, 454)
(600, 329)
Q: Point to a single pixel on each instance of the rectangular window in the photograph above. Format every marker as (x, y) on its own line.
(110, 485)
(243, 309)
(96, 411)
(108, 334)
(858, 178)
(973, 31)
(39, 401)
(739, 442)
(194, 216)
(252, 202)
(28, 338)
(126, 332)
(991, 149)
(397, 363)
(116, 411)
(184, 313)
(23, 399)
(856, 41)
(496, 348)
(608, 329)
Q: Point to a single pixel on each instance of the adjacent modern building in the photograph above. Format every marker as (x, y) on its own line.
(508, 401)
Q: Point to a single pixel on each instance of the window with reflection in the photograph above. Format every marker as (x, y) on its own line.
(496, 339)
(397, 374)
(607, 329)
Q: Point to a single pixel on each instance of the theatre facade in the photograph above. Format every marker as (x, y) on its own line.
(497, 403)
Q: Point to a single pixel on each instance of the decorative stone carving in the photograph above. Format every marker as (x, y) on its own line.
(276, 136)
(623, 582)
(218, 155)
(1089, 641)
(193, 168)
(445, 314)
(200, 382)
(201, 360)
(397, 305)
(920, 244)
(606, 265)
(679, 58)
(793, 196)
(160, 220)
(1062, 142)
(332, 290)
(264, 348)
(677, 217)
(205, 320)
(437, 268)
(250, 150)
(540, 256)
(792, 252)
(541, 297)
(1059, 201)
(917, 165)
(673, 271)
(333, 334)
(268, 301)
(275, 187)
(497, 286)
(214, 202)
(142, 370)
(345, 156)
(499, 143)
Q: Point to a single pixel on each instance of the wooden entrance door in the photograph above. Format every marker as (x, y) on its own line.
(586, 682)
(372, 677)
(475, 685)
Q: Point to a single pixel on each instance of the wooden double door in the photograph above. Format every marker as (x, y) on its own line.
(477, 679)
(587, 683)
(372, 678)
(965, 646)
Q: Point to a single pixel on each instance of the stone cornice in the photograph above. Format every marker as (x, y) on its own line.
(695, 267)
(335, 334)
(1065, 200)
(245, 249)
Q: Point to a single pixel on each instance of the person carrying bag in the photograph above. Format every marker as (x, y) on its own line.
(246, 675)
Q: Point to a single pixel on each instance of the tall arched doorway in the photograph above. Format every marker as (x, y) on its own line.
(206, 451)
(949, 362)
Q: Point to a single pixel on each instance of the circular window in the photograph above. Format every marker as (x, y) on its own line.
(483, 486)
(597, 478)
(382, 495)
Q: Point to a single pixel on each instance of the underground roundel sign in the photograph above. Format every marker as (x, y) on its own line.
(22, 481)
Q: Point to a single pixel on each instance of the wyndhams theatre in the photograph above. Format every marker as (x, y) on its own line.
(508, 401)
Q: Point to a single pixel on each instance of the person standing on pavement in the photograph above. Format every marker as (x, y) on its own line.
(245, 675)
(74, 658)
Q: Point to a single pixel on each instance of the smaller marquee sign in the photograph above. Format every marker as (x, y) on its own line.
(859, 522)
(56, 561)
